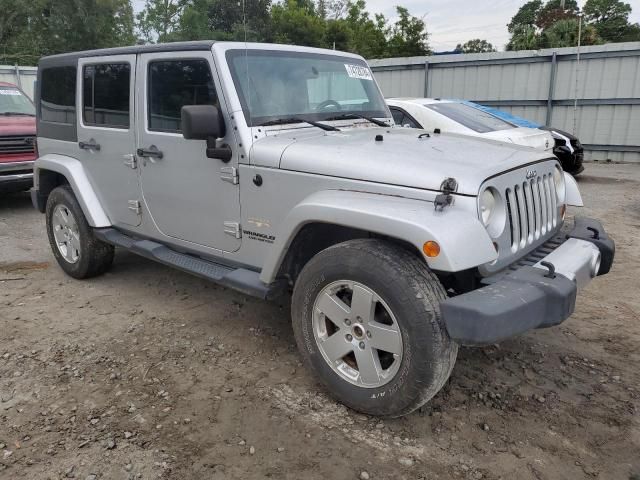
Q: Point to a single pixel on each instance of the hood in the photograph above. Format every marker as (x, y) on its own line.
(528, 137)
(402, 158)
(17, 125)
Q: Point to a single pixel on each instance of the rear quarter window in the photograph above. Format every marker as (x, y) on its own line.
(58, 95)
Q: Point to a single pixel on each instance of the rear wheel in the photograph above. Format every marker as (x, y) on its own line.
(366, 319)
(77, 250)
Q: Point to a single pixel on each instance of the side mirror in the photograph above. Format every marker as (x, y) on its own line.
(202, 122)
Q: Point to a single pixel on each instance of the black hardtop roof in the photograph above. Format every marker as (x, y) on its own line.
(72, 57)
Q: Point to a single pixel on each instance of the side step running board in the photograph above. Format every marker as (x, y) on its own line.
(246, 281)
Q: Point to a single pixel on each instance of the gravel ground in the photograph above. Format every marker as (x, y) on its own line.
(146, 372)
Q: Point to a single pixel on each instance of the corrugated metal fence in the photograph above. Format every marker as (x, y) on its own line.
(539, 85)
(24, 77)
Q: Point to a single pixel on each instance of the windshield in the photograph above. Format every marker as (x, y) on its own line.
(275, 85)
(13, 102)
(473, 118)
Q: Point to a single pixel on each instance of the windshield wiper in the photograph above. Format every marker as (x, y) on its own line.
(284, 121)
(346, 116)
(17, 113)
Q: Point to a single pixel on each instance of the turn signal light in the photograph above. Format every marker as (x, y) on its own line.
(431, 249)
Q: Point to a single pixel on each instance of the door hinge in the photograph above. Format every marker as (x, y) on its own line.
(130, 160)
(233, 229)
(135, 206)
(229, 174)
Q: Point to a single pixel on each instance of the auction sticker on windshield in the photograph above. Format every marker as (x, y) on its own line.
(9, 92)
(358, 71)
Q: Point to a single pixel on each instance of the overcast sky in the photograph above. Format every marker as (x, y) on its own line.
(455, 21)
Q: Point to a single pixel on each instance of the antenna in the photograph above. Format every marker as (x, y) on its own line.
(244, 21)
(575, 96)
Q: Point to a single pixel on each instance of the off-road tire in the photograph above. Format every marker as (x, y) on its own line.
(95, 256)
(412, 292)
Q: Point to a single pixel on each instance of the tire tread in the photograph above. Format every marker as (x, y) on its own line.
(424, 286)
(96, 256)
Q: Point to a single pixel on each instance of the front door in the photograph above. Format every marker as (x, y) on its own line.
(106, 134)
(189, 196)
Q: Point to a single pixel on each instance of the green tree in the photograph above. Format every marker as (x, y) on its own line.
(555, 10)
(226, 16)
(70, 25)
(336, 9)
(338, 35)
(45, 27)
(407, 37)
(19, 43)
(526, 16)
(322, 8)
(296, 22)
(632, 33)
(611, 19)
(160, 18)
(367, 35)
(194, 24)
(524, 38)
(475, 46)
(223, 20)
(564, 33)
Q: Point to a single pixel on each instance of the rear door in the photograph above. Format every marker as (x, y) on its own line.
(106, 133)
(190, 197)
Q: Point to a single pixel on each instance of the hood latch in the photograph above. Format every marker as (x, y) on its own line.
(444, 199)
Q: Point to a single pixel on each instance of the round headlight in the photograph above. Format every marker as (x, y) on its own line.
(487, 206)
(558, 179)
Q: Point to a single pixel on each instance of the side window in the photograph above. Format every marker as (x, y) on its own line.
(403, 119)
(397, 115)
(409, 122)
(173, 84)
(58, 95)
(105, 93)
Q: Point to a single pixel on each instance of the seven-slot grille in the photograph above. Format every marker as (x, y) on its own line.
(532, 209)
(17, 144)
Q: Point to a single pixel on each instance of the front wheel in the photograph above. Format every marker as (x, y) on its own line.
(77, 250)
(366, 319)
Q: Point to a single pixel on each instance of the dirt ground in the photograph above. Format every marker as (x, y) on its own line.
(147, 372)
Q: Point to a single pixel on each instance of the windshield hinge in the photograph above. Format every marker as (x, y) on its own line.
(134, 205)
(229, 174)
(233, 229)
(130, 160)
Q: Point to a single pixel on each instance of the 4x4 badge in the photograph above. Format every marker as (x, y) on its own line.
(531, 174)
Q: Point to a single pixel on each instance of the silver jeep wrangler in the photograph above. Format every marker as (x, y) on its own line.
(274, 169)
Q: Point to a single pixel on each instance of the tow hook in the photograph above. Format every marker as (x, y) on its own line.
(551, 267)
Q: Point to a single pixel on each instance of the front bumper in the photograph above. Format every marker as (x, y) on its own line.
(534, 295)
(16, 176)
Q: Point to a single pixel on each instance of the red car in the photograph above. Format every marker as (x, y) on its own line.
(17, 139)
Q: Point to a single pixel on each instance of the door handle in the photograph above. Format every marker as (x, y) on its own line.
(151, 152)
(90, 145)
